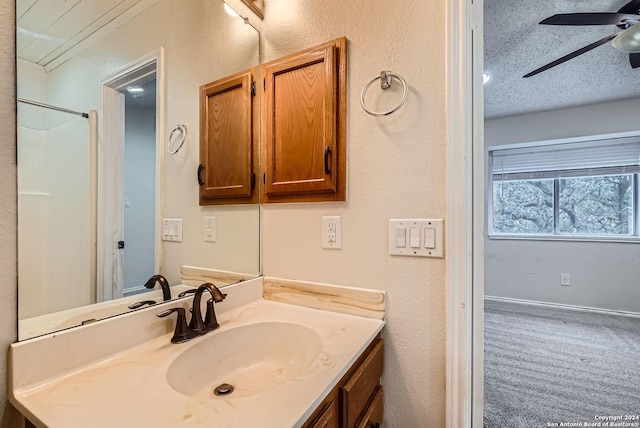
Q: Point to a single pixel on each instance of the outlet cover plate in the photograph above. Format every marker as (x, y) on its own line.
(332, 232)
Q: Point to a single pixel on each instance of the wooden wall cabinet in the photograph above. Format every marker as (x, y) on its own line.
(228, 135)
(304, 128)
(356, 401)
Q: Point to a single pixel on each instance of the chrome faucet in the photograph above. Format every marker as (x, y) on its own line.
(210, 322)
(164, 284)
(197, 326)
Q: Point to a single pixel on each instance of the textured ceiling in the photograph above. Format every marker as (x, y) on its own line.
(516, 44)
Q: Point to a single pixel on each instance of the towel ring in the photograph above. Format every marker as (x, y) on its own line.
(385, 83)
(182, 129)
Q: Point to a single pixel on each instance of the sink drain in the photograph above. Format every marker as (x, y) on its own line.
(223, 389)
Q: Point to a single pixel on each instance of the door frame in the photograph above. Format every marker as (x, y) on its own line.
(111, 168)
(465, 214)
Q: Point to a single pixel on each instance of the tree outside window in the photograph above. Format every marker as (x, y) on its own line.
(593, 205)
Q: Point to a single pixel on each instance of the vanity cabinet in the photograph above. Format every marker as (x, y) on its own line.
(304, 128)
(356, 401)
(228, 159)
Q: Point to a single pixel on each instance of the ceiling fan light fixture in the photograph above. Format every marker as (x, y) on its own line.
(628, 41)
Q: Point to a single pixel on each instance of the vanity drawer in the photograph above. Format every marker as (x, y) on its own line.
(359, 390)
(373, 416)
(329, 418)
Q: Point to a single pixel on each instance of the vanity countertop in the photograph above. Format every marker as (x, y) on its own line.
(130, 389)
(44, 324)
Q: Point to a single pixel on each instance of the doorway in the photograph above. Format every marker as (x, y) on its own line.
(559, 232)
(139, 184)
(129, 184)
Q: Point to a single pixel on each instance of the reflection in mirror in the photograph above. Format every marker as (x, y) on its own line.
(92, 183)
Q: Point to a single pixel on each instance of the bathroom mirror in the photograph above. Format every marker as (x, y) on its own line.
(108, 151)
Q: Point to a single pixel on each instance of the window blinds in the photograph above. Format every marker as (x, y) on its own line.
(602, 157)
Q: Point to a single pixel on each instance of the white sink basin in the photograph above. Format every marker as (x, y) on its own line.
(252, 358)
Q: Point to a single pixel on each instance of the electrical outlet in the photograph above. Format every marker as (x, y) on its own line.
(210, 229)
(565, 279)
(332, 232)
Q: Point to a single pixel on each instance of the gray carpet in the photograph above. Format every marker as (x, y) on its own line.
(547, 365)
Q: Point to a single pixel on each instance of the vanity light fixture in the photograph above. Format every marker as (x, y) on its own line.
(230, 10)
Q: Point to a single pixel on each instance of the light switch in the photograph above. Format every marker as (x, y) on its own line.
(414, 240)
(430, 238)
(172, 229)
(416, 237)
(401, 237)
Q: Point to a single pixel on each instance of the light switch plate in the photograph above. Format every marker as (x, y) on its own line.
(172, 229)
(424, 237)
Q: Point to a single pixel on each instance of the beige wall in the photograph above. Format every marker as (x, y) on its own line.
(395, 170)
(8, 269)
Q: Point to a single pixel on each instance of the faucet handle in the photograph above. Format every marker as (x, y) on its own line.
(185, 292)
(182, 332)
(142, 303)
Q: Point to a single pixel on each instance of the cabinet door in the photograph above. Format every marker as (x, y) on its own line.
(374, 414)
(226, 140)
(303, 149)
(357, 393)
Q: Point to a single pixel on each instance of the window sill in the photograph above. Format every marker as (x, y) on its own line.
(567, 238)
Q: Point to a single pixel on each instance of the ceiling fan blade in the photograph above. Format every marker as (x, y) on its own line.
(632, 7)
(634, 60)
(597, 18)
(571, 55)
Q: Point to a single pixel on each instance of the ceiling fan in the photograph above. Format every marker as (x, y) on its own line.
(627, 40)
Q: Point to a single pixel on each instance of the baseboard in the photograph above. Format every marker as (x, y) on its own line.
(563, 306)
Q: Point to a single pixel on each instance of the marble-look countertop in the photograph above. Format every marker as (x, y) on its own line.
(44, 324)
(130, 389)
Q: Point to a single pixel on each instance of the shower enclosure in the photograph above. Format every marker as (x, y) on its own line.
(56, 208)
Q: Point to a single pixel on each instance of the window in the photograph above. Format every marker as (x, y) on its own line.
(586, 189)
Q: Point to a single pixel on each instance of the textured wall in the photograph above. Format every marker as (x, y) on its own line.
(396, 169)
(8, 269)
(603, 275)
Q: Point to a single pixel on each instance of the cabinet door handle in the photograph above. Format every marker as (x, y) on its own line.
(327, 152)
(200, 180)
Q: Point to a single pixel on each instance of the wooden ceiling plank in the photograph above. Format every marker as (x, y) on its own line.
(22, 6)
(78, 19)
(34, 22)
(102, 27)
